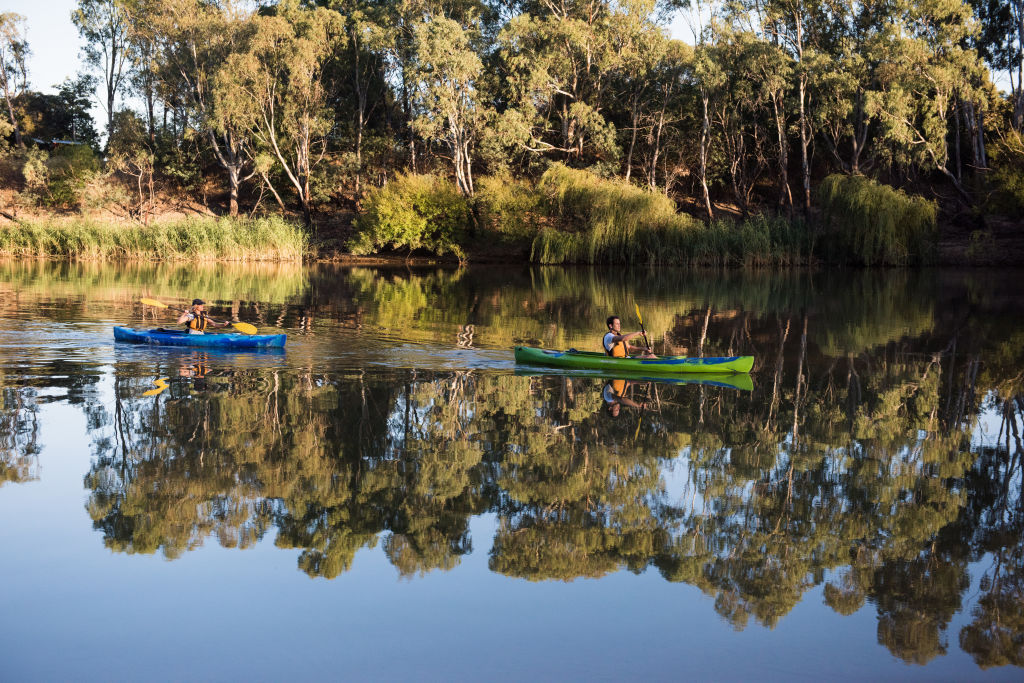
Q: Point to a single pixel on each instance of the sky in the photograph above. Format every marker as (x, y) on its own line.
(52, 38)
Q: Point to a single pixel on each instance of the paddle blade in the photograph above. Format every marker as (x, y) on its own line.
(153, 302)
(160, 384)
(637, 306)
(244, 328)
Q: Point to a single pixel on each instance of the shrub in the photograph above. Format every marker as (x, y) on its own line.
(608, 221)
(874, 224)
(413, 212)
(36, 176)
(72, 169)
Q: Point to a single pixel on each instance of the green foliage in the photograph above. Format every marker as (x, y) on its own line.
(608, 221)
(413, 212)
(72, 169)
(1007, 177)
(509, 207)
(196, 239)
(36, 176)
(874, 224)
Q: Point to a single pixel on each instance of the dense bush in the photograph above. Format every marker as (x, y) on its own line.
(873, 224)
(413, 212)
(72, 169)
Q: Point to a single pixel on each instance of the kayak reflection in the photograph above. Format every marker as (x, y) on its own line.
(733, 380)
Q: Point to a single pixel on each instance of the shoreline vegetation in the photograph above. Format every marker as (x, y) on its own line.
(782, 136)
(195, 239)
(568, 216)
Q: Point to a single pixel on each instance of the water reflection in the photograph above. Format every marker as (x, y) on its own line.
(850, 459)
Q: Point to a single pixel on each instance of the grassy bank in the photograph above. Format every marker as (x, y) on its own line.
(193, 239)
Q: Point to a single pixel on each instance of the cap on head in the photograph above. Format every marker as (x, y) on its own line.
(198, 302)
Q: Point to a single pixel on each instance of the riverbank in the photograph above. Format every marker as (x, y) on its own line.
(567, 217)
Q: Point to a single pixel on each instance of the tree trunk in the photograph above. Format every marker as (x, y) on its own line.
(233, 182)
(778, 109)
(634, 116)
(804, 144)
(14, 119)
(705, 131)
(1018, 105)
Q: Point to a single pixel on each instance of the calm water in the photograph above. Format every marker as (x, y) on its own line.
(392, 498)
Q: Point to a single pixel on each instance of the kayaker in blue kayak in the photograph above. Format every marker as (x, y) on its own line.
(614, 342)
(195, 319)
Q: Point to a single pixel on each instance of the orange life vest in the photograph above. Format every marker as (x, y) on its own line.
(197, 323)
(618, 349)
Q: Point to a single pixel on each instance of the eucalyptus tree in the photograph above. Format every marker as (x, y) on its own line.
(666, 111)
(13, 69)
(922, 78)
(741, 108)
(642, 47)
(279, 91)
(853, 52)
(449, 72)
(794, 24)
(361, 87)
(193, 38)
(561, 56)
(705, 77)
(105, 27)
(144, 75)
(1000, 42)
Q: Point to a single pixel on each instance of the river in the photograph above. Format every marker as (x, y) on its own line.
(390, 497)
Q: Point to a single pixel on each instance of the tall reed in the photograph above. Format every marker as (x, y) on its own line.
(191, 239)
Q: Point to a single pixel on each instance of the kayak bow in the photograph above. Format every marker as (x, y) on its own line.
(588, 360)
(180, 338)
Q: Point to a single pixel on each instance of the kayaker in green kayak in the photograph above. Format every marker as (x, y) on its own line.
(614, 395)
(614, 342)
(195, 319)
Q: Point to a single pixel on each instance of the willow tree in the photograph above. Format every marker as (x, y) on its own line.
(280, 94)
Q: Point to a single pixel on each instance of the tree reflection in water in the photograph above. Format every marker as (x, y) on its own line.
(852, 464)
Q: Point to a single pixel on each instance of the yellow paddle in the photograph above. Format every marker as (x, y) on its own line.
(160, 384)
(642, 330)
(244, 328)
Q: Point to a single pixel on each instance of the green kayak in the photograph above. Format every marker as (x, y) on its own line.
(588, 360)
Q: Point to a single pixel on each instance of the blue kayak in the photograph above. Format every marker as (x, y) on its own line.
(181, 338)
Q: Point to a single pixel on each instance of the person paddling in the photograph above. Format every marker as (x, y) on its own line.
(614, 395)
(195, 319)
(614, 342)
